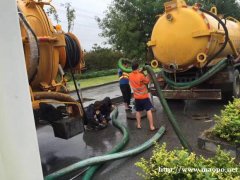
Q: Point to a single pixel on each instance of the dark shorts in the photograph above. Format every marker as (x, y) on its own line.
(143, 104)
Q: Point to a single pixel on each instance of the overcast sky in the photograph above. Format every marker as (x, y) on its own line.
(85, 27)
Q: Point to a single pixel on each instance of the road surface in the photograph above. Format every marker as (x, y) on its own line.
(193, 117)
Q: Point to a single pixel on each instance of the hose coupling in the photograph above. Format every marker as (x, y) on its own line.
(201, 57)
(173, 67)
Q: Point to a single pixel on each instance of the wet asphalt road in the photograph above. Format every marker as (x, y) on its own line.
(193, 118)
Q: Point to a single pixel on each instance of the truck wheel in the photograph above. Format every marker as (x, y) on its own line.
(236, 84)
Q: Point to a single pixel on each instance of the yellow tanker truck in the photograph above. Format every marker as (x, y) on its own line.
(48, 52)
(198, 52)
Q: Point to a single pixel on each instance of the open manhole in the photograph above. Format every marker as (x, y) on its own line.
(132, 115)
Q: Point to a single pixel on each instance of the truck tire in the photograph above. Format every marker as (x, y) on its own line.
(236, 84)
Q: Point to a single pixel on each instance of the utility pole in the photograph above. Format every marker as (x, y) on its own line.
(19, 152)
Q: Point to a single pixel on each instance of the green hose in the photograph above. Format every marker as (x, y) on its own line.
(187, 85)
(92, 169)
(120, 65)
(167, 109)
(105, 158)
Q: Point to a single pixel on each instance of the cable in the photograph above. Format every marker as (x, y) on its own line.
(210, 72)
(226, 34)
(222, 64)
(73, 52)
(73, 58)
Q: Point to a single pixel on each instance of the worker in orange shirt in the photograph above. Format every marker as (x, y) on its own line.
(138, 83)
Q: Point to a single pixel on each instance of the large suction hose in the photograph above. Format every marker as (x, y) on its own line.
(105, 158)
(101, 159)
(120, 65)
(92, 169)
(163, 101)
(53, 95)
(186, 85)
(213, 70)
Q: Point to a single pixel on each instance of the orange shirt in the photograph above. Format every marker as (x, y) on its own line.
(138, 83)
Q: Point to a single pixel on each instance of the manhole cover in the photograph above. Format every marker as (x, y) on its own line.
(87, 99)
(200, 117)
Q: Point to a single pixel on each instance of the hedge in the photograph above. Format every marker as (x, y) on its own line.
(180, 164)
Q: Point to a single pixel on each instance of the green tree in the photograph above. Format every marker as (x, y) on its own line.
(128, 23)
(225, 7)
(71, 15)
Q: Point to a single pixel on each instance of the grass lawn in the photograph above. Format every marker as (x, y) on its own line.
(93, 81)
(96, 81)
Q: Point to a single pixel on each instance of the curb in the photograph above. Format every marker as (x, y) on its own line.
(92, 87)
(208, 144)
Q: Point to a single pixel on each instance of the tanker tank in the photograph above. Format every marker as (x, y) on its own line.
(186, 36)
(48, 52)
(46, 47)
(198, 51)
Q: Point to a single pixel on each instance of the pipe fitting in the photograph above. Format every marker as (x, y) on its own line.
(173, 67)
(154, 63)
(169, 17)
(201, 57)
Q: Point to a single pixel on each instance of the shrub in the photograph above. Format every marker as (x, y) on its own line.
(93, 74)
(180, 164)
(102, 58)
(227, 124)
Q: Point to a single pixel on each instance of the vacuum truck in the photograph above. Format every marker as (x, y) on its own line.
(198, 51)
(49, 51)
